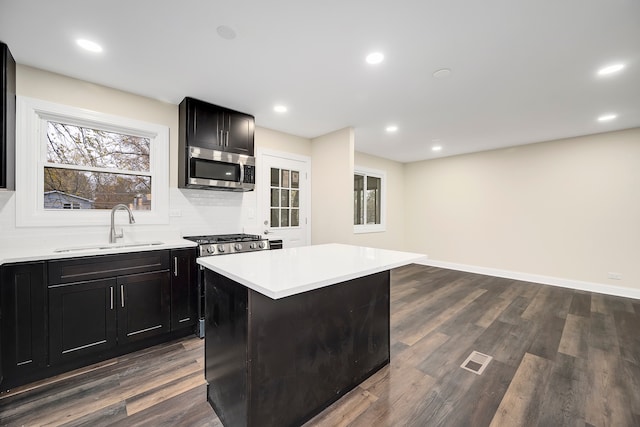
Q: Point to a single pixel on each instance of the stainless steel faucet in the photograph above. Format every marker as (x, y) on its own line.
(113, 235)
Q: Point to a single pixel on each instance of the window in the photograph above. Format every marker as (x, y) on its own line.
(104, 168)
(285, 198)
(368, 200)
(86, 163)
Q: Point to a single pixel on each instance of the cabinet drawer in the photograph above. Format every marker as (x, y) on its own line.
(104, 266)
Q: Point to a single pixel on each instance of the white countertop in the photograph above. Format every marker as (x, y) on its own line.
(38, 251)
(285, 272)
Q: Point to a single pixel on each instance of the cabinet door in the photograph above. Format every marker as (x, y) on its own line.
(82, 319)
(143, 306)
(239, 135)
(7, 118)
(205, 127)
(22, 305)
(184, 288)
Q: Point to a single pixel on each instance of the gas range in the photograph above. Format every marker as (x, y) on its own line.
(223, 244)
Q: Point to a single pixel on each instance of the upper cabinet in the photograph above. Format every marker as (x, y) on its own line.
(7, 118)
(216, 128)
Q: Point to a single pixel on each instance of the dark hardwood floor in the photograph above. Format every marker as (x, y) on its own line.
(560, 358)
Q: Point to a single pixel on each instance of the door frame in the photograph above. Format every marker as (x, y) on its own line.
(260, 152)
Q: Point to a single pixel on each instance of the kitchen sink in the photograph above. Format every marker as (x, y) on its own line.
(106, 246)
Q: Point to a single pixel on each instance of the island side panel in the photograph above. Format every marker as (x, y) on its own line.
(308, 350)
(226, 348)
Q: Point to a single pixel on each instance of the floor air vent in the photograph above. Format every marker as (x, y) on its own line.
(476, 362)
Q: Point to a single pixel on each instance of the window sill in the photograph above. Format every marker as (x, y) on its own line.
(373, 228)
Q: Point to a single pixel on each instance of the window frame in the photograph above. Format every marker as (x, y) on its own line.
(32, 116)
(290, 208)
(382, 175)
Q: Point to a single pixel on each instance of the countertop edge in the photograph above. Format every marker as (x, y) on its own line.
(313, 285)
(49, 254)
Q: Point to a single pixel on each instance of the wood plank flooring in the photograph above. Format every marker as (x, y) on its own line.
(560, 358)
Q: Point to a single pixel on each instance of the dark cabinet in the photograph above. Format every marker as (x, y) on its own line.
(91, 317)
(7, 118)
(23, 319)
(184, 288)
(143, 306)
(97, 303)
(216, 128)
(63, 314)
(82, 319)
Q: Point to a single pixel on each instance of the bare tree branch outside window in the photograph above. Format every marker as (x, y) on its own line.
(96, 169)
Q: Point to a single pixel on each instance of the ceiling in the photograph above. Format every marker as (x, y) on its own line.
(521, 71)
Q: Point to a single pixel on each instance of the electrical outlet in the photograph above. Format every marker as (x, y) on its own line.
(614, 276)
(175, 212)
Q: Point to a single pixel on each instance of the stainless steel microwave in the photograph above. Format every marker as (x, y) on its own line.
(219, 170)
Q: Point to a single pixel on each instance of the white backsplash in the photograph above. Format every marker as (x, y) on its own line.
(191, 212)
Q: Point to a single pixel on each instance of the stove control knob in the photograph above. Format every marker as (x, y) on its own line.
(262, 245)
(238, 246)
(252, 246)
(210, 249)
(220, 248)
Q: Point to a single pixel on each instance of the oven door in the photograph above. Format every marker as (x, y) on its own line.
(229, 171)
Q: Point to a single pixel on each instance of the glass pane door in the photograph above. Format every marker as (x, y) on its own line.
(285, 198)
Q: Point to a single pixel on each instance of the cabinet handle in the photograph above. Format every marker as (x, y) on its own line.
(122, 295)
(221, 140)
(111, 288)
(175, 266)
(227, 140)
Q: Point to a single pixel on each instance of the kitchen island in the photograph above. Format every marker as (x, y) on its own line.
(288, 332)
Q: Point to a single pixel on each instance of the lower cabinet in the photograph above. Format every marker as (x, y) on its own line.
(63, 314)
(184, 290)
(82, 319)
(94, 316)
(143, 306)
(23, 319)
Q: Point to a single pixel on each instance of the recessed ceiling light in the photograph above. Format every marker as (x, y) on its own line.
(392, 128)
(607, 117)
(442, 73)
(89, 45)
(610, 69)
(280, 109)
(375, 58)
(226, 33)
(436, 148)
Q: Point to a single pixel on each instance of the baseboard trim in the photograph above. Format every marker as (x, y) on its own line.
(600, 288)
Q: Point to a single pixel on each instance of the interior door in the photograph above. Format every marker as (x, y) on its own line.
(285, 198)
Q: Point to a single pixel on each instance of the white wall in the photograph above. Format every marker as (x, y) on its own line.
(332, 187)
(393, 237)
(278, 141)
(566, 209)
(192, 211)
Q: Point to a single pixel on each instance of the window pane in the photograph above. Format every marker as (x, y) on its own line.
(295, 217)
(373, 200)
(284, 218)
(95, 190)
(295, 198)
(275, 197)
(284, 198)
(275, 217)
(285, 179)
(295, 179)
(358, 199)
(275, 177)
(75, 145)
